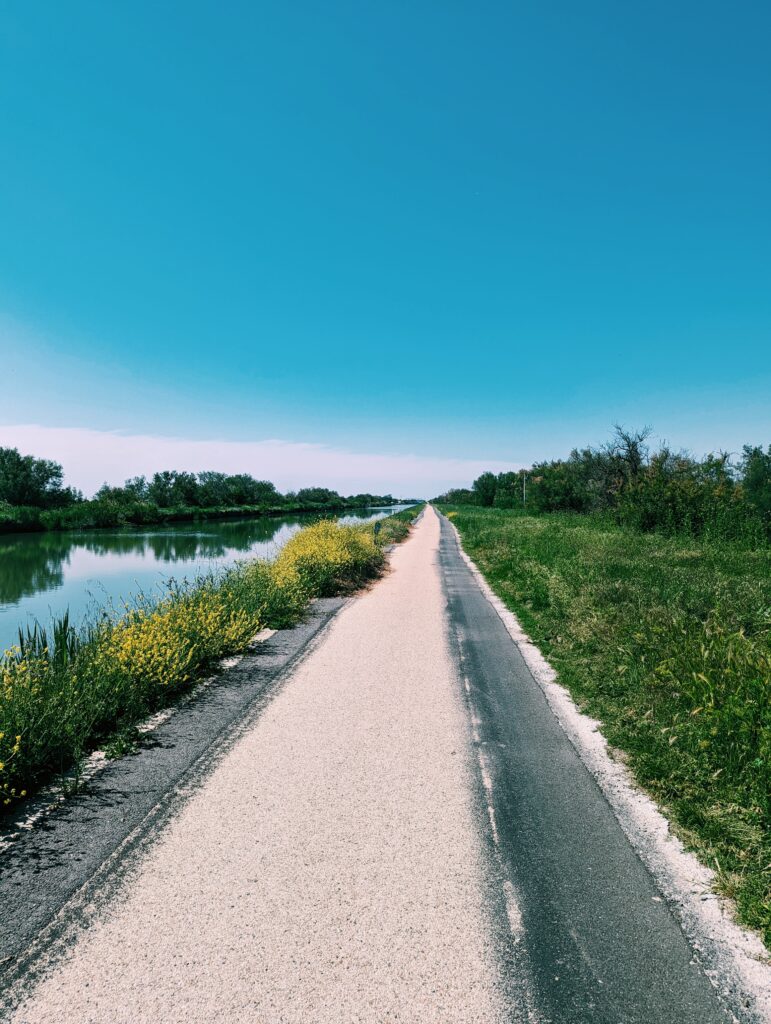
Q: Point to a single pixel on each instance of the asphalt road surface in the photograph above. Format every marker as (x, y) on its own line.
(601, 945)
(394, 828)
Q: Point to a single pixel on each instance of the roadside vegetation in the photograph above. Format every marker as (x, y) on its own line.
(67, 691)
(662, 491)
(646, 581)
(33, 497)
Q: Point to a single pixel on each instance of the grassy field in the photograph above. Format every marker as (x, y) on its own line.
(667, 642)
(68, 693)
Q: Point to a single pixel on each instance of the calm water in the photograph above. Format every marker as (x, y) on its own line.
(43, 574)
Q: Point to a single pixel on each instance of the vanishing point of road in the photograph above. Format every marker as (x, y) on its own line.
(394, 827)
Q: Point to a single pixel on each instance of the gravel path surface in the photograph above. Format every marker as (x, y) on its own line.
(74, 854)
(331, 868)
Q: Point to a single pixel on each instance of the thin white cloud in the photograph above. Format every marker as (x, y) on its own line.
(91, 457)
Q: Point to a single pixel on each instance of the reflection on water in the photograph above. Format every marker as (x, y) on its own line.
(43, 574)
(33, 562)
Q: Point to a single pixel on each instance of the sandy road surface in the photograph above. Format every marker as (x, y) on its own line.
(332, 867)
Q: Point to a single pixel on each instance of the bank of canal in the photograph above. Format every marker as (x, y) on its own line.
(44, 574)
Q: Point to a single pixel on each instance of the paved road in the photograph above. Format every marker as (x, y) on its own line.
(601, 944)
(403, 834)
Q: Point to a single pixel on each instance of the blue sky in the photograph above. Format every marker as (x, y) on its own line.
(463, 231)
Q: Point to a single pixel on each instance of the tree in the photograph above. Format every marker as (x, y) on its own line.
(25, 480)
(456, 496)
(630, 449)
(133, 491)
(243, 489)
(171, 488)
(137, 487)
(508, 490)
(755, 470)
(212, 489)
(318, 496)
(484, 487)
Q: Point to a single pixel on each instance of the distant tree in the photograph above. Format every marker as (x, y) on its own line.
(755, 475)
(267, 493)
(25, 480)
(484, 487)
(575, 484)
(318, 496)
(132, 492)
(243, 489)
(171, 488)
(666, 491)
(630, 448)
(590, 479)
(457, 496)
(372, 500)
(212, 489)
(117, 495)
(508, 490)
(137, 487)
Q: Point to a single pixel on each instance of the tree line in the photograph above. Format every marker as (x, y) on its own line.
(33, 495)
(649, 489)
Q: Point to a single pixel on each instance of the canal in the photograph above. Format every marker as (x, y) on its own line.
(44, 574)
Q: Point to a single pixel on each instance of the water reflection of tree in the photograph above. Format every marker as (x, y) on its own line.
(33, 563)
(30, 564)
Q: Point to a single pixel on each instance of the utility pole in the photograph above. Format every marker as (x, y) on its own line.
(524, 488)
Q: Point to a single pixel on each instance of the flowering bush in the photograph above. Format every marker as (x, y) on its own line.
(330, 559)
(279, 594)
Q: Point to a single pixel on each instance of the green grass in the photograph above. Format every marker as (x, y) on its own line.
(65, 693)
(393, 529)
(668, 643)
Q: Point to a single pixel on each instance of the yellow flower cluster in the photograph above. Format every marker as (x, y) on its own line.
(329, 557)
(165, 646)
(9, 749)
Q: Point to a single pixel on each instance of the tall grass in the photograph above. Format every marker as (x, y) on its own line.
(668, 642)
(65, 693)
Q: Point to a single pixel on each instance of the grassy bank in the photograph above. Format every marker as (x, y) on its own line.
(98, 514)
(668, 642)
(65, 694)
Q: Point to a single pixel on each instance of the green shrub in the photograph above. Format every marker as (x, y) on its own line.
(667, 492)
(329, 558)
(19, 518)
